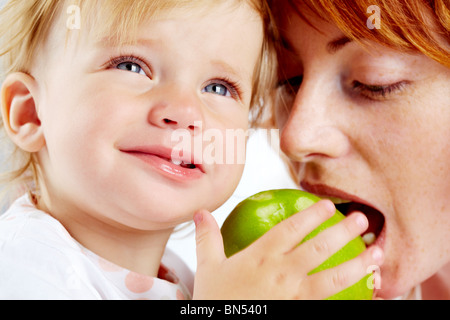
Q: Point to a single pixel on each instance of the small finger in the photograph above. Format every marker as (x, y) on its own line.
(315, 251)
(331, 281)
(286, 235)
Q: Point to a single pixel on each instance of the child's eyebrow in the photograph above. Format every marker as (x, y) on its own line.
(108, 42)
(219, 64)
(226, 68)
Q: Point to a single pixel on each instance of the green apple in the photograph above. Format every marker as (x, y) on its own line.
(257, 214)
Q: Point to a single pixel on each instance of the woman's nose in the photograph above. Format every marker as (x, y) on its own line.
(176, 109)
(314, 127)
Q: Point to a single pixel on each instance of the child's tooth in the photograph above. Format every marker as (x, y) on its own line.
(369, 238)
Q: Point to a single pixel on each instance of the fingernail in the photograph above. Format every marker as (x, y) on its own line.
(329, 206)
(361, 221)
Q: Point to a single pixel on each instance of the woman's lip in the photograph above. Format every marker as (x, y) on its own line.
(326, 191)
(379, 242)
(322, 190)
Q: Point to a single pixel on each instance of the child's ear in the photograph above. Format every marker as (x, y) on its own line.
(19, 112)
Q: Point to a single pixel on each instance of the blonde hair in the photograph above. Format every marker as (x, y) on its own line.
(26, 25)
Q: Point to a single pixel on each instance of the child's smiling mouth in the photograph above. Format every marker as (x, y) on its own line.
(162, 159)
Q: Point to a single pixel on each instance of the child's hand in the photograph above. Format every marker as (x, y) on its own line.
(274, 266)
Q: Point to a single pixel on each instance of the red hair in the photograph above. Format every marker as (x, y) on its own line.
(406, 25)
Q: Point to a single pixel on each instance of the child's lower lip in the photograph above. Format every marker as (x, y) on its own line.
(168, 168)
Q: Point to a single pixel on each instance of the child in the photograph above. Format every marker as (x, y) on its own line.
(95, 91)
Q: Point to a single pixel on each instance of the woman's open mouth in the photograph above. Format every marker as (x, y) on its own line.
(375, 218)
(348, 204)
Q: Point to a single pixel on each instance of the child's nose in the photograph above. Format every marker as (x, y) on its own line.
(176, 109)
(170, 122)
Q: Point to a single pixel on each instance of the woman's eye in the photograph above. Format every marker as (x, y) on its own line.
(131, 66)
(291, 85)
(217, 88)
(378, 92)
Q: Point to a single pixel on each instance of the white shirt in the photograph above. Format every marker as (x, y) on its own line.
(40, 260)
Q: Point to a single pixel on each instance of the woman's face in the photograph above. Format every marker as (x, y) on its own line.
(371, 126)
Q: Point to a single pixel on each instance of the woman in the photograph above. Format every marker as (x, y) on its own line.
(364, 109)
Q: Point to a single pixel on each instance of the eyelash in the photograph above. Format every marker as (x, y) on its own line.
(377, 92)
(370, 92)
(292, 85)
(115, 61)
(233, 87)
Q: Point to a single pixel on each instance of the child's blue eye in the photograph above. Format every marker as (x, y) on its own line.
(218, 89)
(131, 66)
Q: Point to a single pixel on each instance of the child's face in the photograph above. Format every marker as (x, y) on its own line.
(109, 114)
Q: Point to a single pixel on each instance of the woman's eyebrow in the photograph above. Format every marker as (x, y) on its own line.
(332, 47)
(335, 45)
